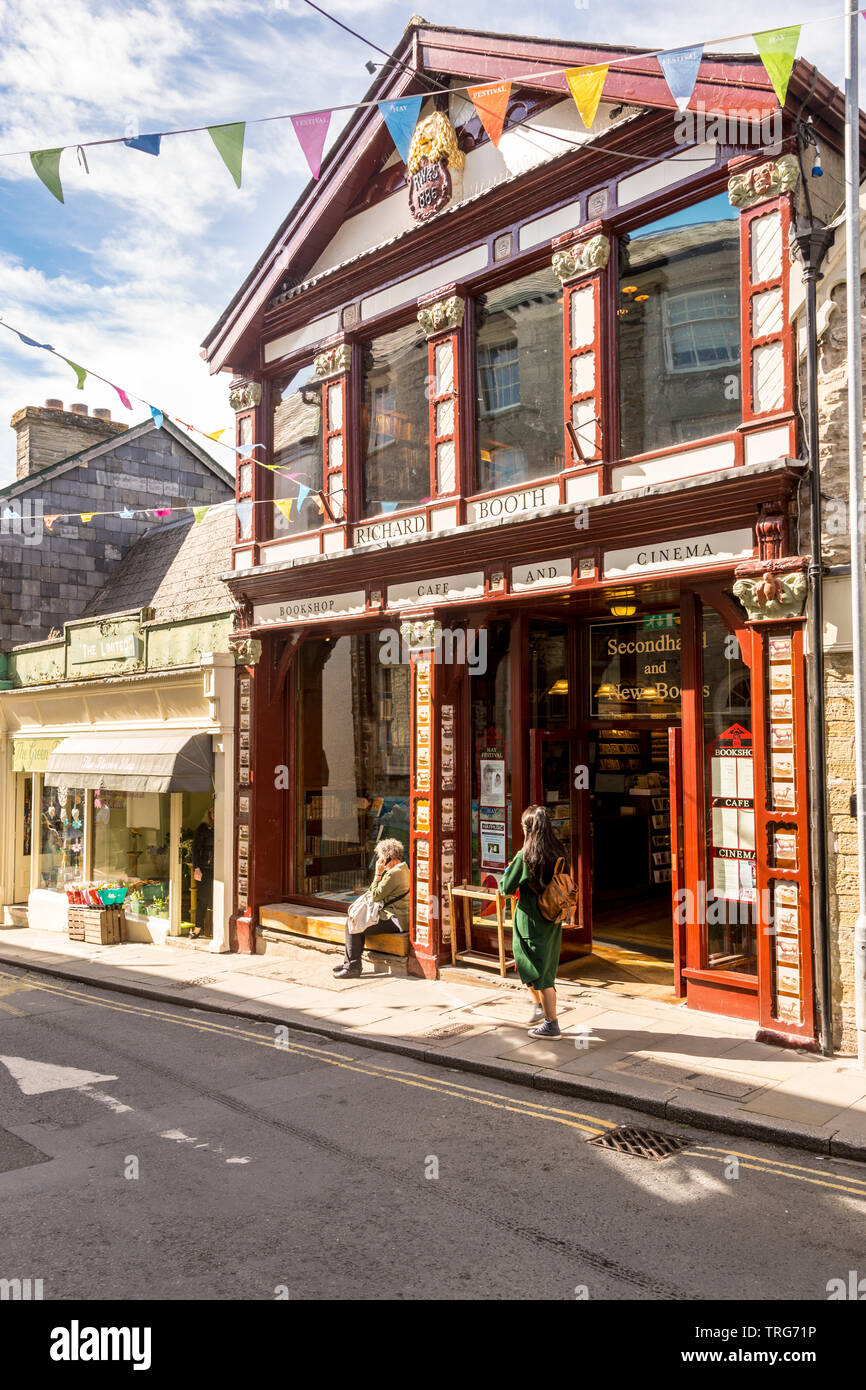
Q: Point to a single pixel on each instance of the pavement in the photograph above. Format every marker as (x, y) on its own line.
(660, 1059)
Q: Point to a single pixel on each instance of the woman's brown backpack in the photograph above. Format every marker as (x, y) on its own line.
(559, 896)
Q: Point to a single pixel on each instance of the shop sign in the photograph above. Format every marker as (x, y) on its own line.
(684, 553)
(31, 754)
(301, 610)
(444, 589)
(542, 575)
(391, 529)
(634, 670)
(512, 504)
(126, 647)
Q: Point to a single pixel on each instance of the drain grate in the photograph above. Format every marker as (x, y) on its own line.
(448, 1030)
(640, 1143)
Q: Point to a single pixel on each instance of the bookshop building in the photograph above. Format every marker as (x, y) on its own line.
(523, 528)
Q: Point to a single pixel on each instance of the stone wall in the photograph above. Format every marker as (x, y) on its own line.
(45, 584)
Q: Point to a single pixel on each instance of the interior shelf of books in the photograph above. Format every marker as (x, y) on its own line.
(630, 787)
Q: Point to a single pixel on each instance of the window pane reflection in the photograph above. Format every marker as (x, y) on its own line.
(396, 421)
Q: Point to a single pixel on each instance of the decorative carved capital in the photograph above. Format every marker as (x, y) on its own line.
(244, 395)
(770, 529)
(422, 635)
(764, 181)
(771, 589)
(334, 360)
(581, 259)
(247, 650)
(444, 314)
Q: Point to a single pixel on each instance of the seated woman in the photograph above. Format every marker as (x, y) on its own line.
(390, 887)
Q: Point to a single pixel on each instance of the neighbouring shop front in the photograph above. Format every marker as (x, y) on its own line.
(628, 689)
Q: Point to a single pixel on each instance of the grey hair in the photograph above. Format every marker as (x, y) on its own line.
(390, 849)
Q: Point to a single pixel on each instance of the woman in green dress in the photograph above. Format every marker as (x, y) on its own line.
(536, 941)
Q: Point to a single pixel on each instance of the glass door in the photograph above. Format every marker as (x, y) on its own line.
(557, 762)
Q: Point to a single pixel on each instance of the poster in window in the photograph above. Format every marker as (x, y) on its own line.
(493, 847)
(492, 778)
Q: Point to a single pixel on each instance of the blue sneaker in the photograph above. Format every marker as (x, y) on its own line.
(548, 1029)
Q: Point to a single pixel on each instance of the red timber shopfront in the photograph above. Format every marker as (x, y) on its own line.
(523, 527)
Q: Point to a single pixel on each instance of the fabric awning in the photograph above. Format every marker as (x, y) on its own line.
(141, 762)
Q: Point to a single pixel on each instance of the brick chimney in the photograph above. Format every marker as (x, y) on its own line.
(47, 434)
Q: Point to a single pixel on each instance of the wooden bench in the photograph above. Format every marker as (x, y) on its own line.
(324, 925)
(465, 893)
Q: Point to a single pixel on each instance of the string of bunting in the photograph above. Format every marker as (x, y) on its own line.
(777, 49)
(243, 509)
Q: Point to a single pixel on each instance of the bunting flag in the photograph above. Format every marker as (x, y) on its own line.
(680, 67)
(312, 131)
(244, 511)
(229, 140)
(122, 394)
(284, 505)
(127, 514)
(586, 86)
(162, 511)
(48, 521)
(320, 503)
(491, 102)
(217, 435)
(389, 506)
(148, 144)
(86, 516)
(401, 118)
(303, 494)
(200, 513)
(47, 166)
(80, 372)
(31, 342)
(777, 49)
(158, 417)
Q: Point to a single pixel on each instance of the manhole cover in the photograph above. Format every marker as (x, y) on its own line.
(448, 1030)
(640, 1143)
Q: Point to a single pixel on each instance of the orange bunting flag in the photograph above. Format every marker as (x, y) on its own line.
(284, 505)
(48, 521)
(320, 503)
(587, 85)
(491, 102)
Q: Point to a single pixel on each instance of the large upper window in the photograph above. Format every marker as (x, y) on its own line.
(678, 315)
(297, 451)
(396, 421)
(518, 333)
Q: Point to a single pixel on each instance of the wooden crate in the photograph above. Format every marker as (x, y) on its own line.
(99, 927)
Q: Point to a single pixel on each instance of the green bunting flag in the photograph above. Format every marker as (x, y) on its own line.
(777, 49)
(80, 372)
(229, 140)
(200, 513)
(47, 166)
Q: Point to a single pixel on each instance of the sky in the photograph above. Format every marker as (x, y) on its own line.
(128, 275)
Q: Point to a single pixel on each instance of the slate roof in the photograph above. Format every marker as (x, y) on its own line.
(175, 569)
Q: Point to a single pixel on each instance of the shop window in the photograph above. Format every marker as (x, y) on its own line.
(635, 668)
(62, 836)
(491, 760)
(678, 318)
(296, 450)
(196, 852)
(548, 675)
(396, 421)
(131, 845)
(731, 896)
(518, 334)
(354, 739)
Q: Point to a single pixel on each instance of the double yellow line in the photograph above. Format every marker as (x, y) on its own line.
(475, 1095)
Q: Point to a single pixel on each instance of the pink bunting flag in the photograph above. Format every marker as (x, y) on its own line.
(162, 511)
(123, 396)
(312, 132)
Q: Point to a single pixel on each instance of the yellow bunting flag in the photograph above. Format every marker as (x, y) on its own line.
(217, 434)
(87, 516)
(587, 85)
(200, 513)
(491, 103)
(778, 49)
(284, 505)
